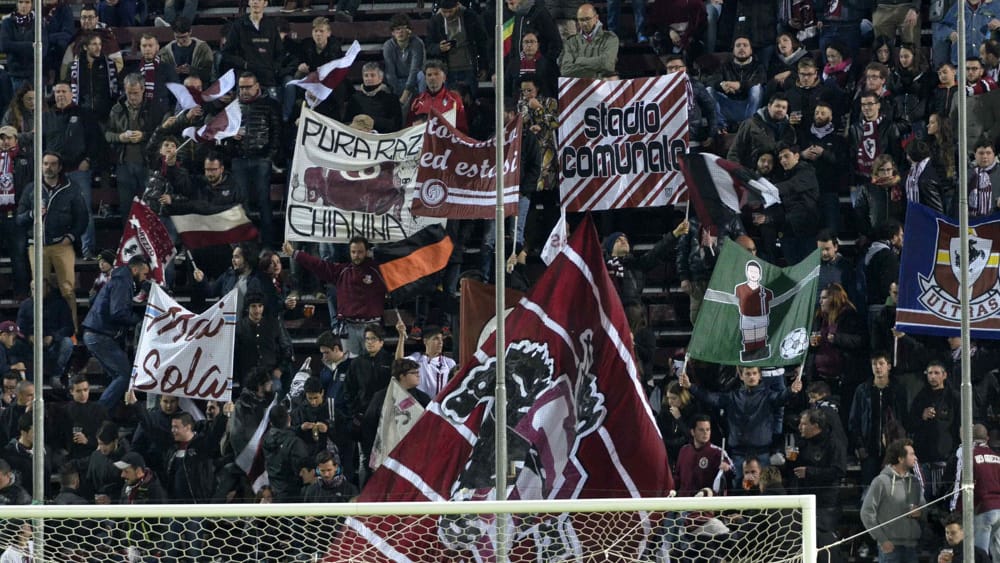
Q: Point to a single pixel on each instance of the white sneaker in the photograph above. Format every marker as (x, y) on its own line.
(160, 22)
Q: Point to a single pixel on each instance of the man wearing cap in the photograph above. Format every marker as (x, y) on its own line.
(591, 53)
(435, 367)
(110, 317)
(457, 36)
(438, 97)
(141, 484)
(15, 174)
(65, 217)
(9, 333)
(261, 342)
(375, 99)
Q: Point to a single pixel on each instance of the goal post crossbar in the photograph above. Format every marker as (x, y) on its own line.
(806, 503)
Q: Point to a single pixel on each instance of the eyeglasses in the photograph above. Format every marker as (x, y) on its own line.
(529, 41)
(88, 17)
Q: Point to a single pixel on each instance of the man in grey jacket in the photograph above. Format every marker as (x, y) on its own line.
(591, 53)
(895, 492)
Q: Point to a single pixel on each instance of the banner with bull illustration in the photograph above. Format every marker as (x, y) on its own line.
(620, 142)
(346, 183)
(929, 272)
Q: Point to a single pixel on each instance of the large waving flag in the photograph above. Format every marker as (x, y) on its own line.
(756, 313)
(930, 270)
(223, 227)
(145, 234)
(579, 426)
(423, 253)
(188, 97)
(718, 188)
(324, 80)
(225, 124)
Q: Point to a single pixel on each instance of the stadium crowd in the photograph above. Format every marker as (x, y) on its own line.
(828, 99)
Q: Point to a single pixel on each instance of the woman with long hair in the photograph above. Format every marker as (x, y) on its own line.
(21, 112)
(911, 84)
(675, 418)
(882, 198)
(941, 137)
(275, 286)
(838, 339)
(540, 115)
(838, 69)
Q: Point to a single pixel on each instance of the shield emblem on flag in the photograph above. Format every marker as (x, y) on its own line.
(979, 255)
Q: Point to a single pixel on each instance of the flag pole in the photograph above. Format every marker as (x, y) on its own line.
(38, 409)
(963, 285)
(500, 268)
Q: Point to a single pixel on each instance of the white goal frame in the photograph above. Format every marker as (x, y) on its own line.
(805, 504)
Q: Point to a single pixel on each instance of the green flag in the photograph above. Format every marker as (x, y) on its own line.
(756, 313)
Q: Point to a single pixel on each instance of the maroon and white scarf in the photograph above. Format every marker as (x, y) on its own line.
(913, 180)
(74, 76)
(981, 194)
(529, 64)
(8, 203)
(148, 72)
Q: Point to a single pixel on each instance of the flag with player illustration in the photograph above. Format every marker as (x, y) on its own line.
(756, 313)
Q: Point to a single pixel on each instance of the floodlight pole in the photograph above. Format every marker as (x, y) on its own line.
(38, 408)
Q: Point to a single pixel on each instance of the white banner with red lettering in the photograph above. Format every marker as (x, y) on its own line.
(620, 142)
(184, 354)
(346, 183)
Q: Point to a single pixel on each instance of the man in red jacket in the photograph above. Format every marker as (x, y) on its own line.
(986, 497)
(438, 97)
(360, 288)
(701, 464)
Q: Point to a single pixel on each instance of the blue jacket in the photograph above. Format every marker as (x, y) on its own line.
(112, 312)
(18, 44)
(66, 212)
(750, 412)
(977, 29)
(57, 321)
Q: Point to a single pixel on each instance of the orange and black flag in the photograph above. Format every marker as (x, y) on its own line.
(424, 253)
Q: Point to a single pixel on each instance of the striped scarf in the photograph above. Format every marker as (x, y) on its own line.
(148, 71)
(913, 180)
(981, 194)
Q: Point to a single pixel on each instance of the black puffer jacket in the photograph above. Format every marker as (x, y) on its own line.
(284, 453)
(191, 470)
(752, 73)
(800, 200)
(73, 133)
(66, 212)
(262, 122)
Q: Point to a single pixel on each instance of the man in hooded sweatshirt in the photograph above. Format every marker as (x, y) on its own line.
(895, 492)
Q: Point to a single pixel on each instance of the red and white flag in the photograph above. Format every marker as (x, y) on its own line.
(719, 188)
(324, 80)
(456, 178)
(225, 124)
(145, 235)
(247, 433)
(224, 227)
(188, 97)
(620, 141)
(578, 426)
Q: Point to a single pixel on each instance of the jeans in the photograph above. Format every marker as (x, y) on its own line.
(289, 96)
(638, 10)
(354, 342)
(255, 175)
(731, 111)
(189, 9)
(468, 77)
(132, 178)
(900, 554)
(114, 361)
(489, 235)
(58, 355)
(987, 527)
(84, 180)
(14, 241)
(712, 27)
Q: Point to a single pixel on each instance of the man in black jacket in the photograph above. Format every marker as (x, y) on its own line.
(882, 263)
(78, 422)
(702, 118)
(190, 476)
(368, 374)
(628, 272)
(457, 36)
(11, 492)
(65, 217)
(262, 342)
(827, 151)
(821, 463)
(738, 87)
(253, 44)
(873, 134)
(800, 203)
(255, 148)
(375, 99)
(284, 454)
(935, 415)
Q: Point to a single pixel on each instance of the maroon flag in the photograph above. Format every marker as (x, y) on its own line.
(145, 235)
(719, 188)
(325, 79)
(579, 426)
(456, 178)
(227, 226)
(225, 124)
(188, 97)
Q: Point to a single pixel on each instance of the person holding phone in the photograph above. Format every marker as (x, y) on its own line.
(457, 36)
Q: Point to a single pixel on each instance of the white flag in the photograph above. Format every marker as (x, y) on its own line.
(557, 240)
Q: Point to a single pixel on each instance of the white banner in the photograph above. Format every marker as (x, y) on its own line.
(347, 183)
(184, 354)
(620, 142)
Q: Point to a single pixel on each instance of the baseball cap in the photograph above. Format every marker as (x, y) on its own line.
(10, 326)
(8, 131)
(131, 459)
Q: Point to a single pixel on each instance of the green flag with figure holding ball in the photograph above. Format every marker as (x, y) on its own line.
(756, 313)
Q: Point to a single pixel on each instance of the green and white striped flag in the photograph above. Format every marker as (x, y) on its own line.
(756, 313)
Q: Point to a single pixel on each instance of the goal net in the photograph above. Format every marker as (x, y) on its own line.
(712, 530)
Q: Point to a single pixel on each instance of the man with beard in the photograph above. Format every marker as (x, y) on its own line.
(763, 132)
(438, 97)
(826, 151)
(261, 342)
(934, 418)
(93, 76)
(105, 327)
(805, 91)
(375, 99)
(360, 288)
(738, 86)
(65, 216)
(155, 74)
(833, 266)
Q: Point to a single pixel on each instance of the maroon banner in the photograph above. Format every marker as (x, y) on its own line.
(145, 234)
(578, 426)
(456, 178)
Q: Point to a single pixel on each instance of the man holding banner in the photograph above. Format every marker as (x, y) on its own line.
(109, 319)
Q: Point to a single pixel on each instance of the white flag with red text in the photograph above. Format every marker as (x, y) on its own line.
(620, 142)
